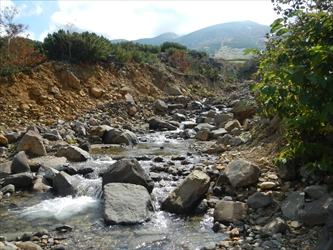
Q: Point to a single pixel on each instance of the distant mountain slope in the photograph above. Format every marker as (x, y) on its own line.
(225, 40)
(158, 40)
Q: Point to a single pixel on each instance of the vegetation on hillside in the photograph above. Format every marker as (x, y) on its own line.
(17, 52)
(296, 80)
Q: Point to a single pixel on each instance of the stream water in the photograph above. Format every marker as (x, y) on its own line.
(26, 212)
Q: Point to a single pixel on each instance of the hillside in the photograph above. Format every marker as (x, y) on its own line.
(225, 40)
(60, 90)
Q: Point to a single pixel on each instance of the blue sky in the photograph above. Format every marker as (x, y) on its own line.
(135, 19)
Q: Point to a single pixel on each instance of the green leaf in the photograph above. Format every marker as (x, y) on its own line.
(323, 115)
(276, 27)
(322, 166)
(248, 51)
(282, 31)
(312, 78)
(303, 98)
(329, 107)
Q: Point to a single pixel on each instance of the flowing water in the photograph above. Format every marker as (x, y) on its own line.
(26, 212)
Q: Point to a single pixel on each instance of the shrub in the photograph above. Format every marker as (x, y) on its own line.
(296, 80)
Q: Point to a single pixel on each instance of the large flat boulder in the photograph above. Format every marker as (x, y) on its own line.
(126, 204)
(188, 194)
(128, 171)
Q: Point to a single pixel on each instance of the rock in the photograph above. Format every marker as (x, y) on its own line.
(8, 189)
(128, 171)
(24, 107)
(286, 170)
(127, 137)
(28, 245)
(242, 173)
(315, 191)
(124, 90)
(230, 125)
(3, 140)
(215, 149)
(99, 130)
(160, 106)
(41, 185)
(73, 153)
(243, 110)
(63, 184)
(218, 132)
(116, 136)
(11, 137)
(187, 195)
(32, 142)
(96, 92)
(316, 212)
(236, 141)
(172, 90)
(224, 140)
(204, 126)
(51, 173)
(132, 111)
(259, 200)
(53, 89)
(53, 135)
(189, 124)
(20, 180)
(222, 118)
(47, 162)
(70, 79)
(179, 117)
(267, 185)
(203, 134)
(126, 204)
(156, 123)
(227, 211)
(276, 226)
(20, 163)
(292, 206)
(5, 169)
(325, 241)
(85, 145)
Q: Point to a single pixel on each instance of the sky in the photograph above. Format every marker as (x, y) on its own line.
(133, 20)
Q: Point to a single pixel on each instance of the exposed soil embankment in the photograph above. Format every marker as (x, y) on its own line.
(61, 90)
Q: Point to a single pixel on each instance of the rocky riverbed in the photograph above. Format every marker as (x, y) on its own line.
(168, 173)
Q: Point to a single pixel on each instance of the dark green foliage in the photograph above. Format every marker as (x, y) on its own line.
(84, 46)
(172, 47)
(296, 75)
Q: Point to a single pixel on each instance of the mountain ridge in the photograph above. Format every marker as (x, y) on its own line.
(225, 40)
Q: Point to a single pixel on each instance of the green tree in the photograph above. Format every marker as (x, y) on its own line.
(17, 52)
(296, 79)
(85, 46)
(172, 47)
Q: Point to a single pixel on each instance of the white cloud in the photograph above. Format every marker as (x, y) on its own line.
(139, 19)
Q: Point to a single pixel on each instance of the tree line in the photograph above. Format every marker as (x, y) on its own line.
(18, 52)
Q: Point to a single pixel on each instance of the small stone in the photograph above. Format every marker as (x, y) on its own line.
(296, 224)
(267, 185)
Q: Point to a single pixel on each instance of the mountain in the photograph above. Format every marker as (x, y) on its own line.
(225, 40)
(158, 40)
